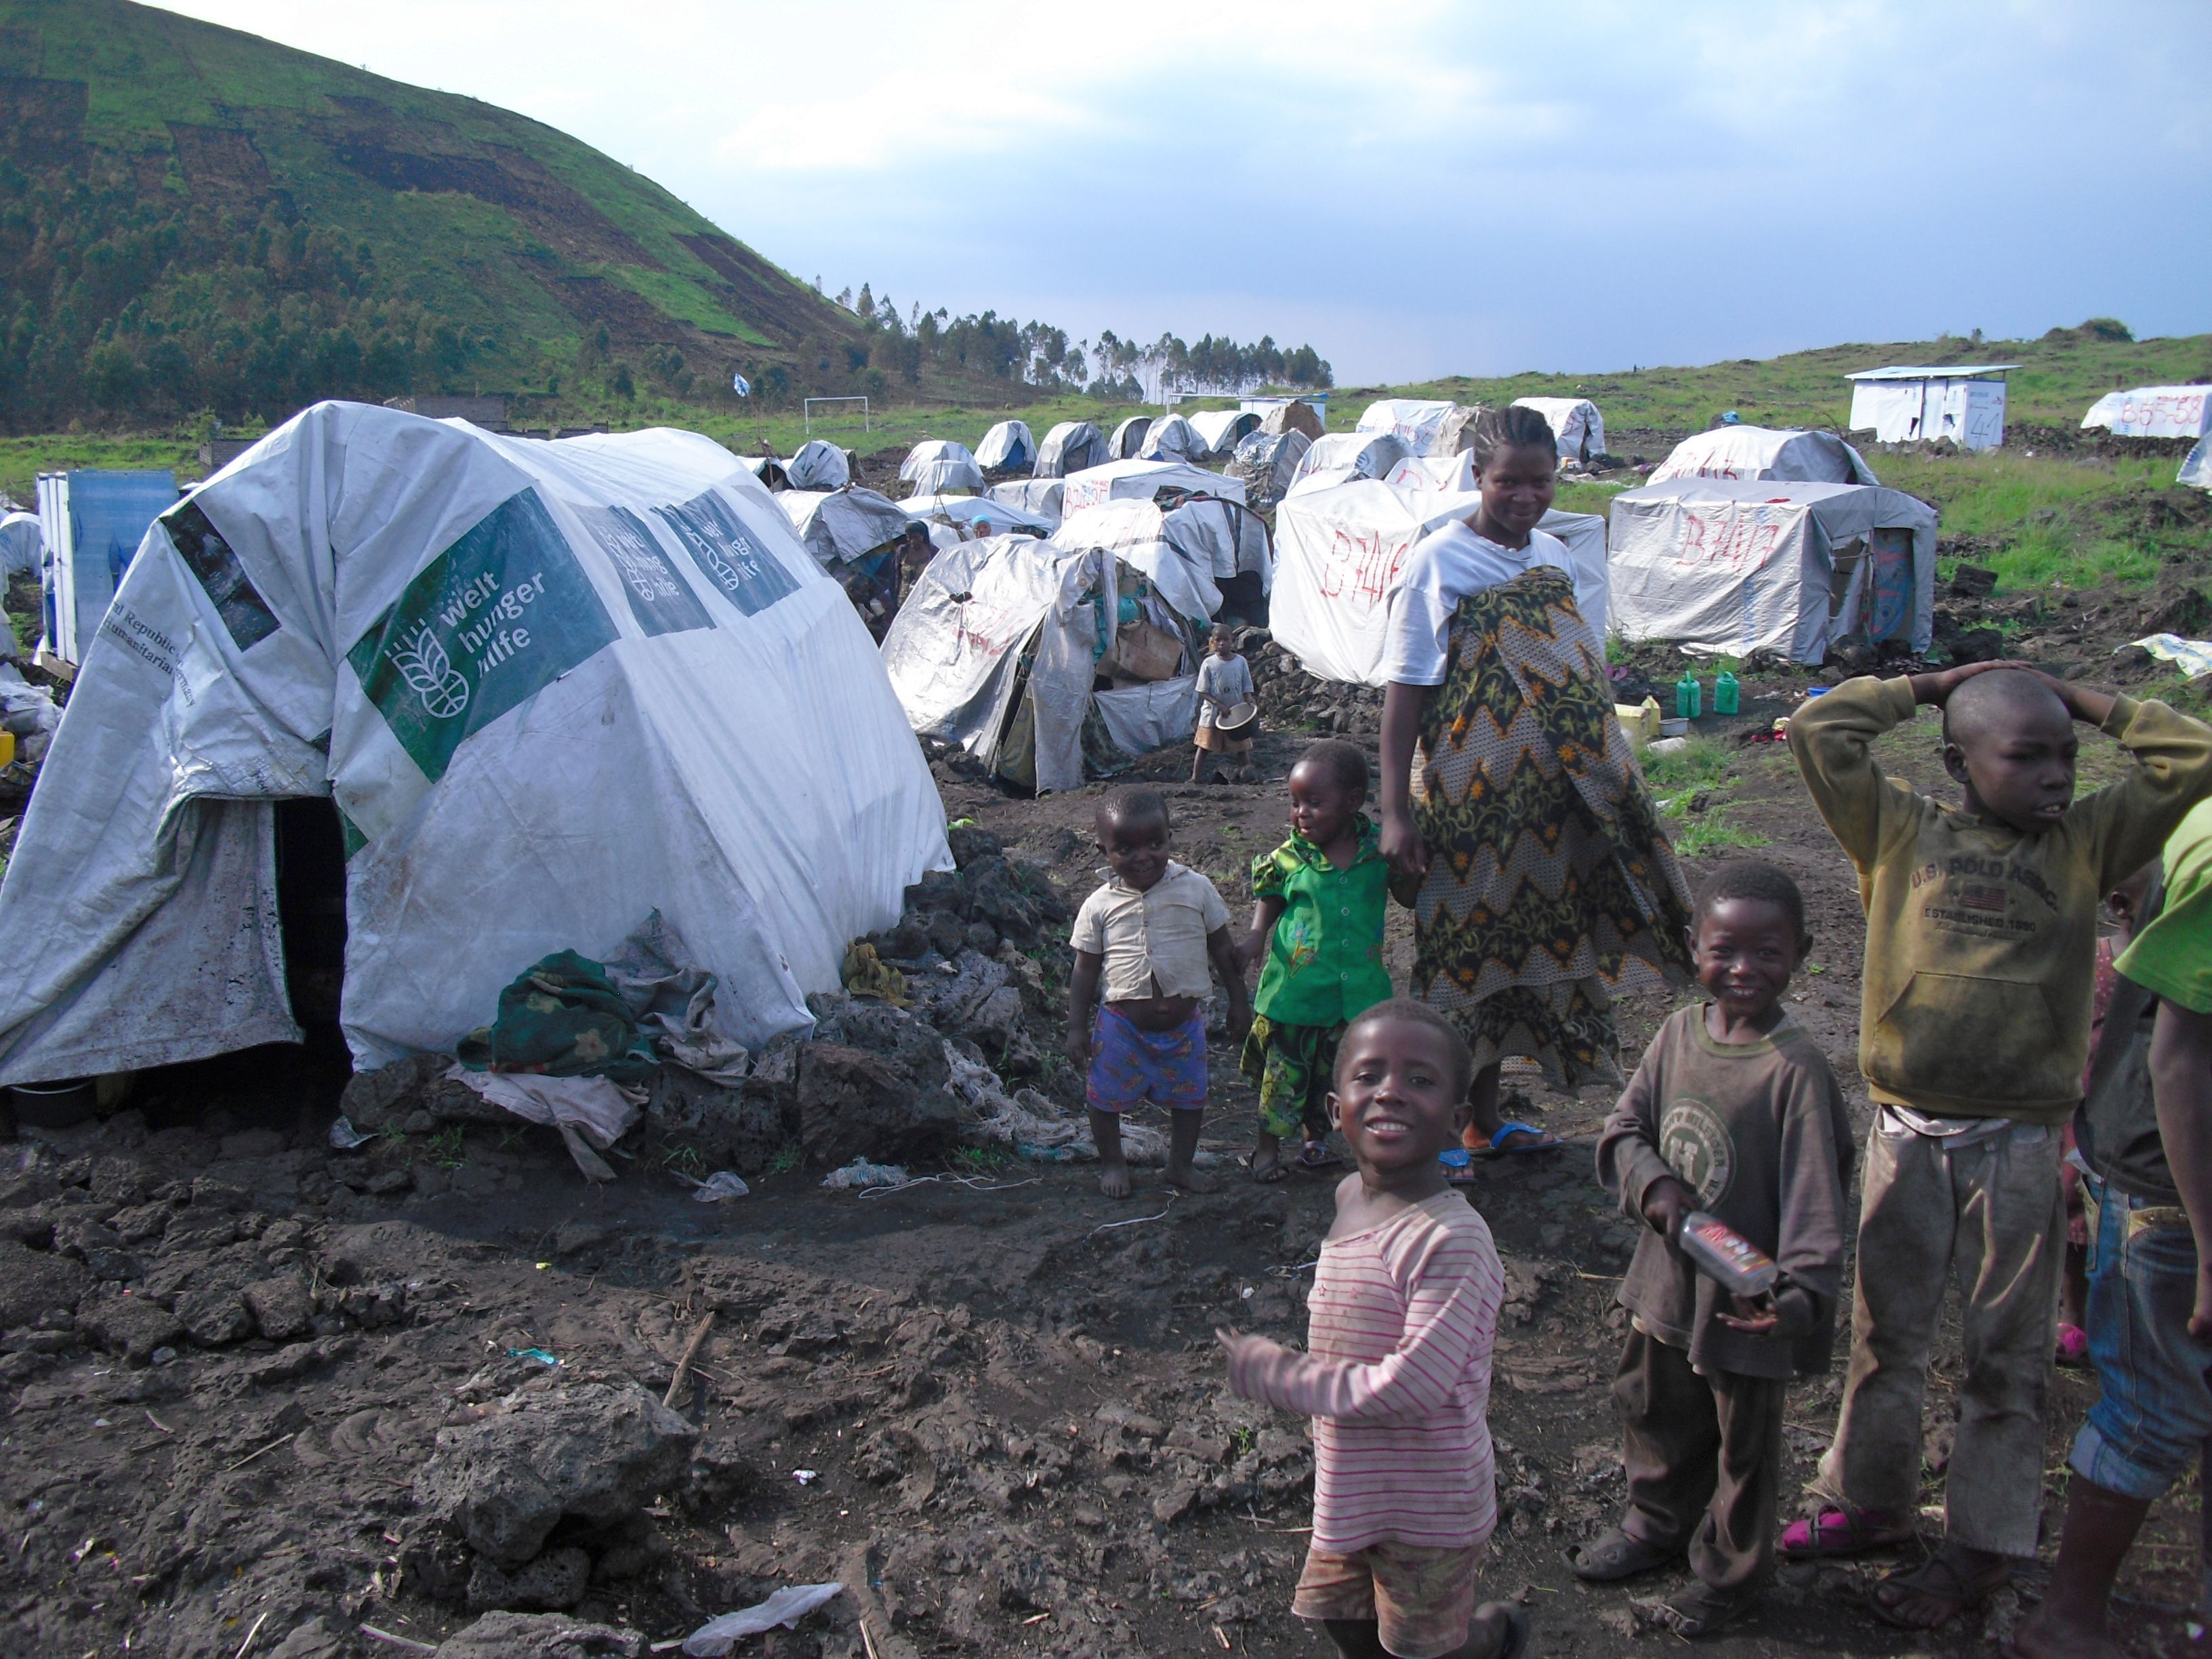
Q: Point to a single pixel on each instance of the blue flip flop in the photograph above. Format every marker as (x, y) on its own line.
(1545, 1141)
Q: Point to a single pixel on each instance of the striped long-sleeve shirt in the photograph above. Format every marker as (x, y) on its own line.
(1403, 1318)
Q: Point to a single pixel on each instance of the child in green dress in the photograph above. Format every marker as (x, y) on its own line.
(1317, 909)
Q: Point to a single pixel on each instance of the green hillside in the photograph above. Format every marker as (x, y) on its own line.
(194, 218)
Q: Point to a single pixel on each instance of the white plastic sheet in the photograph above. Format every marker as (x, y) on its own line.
(963, 511)
(549, 687)
(1733, 567)
(1574, 422)
(819, 464)
(1142, 481)
(937, 464)
(1425, 426)
(1069, 447)
(1758, 451)
(840, 525)
(1266, 462)
(1179, 550)
(1007, 447)
(714, 1639)
(21, 544)
(2154, 411)
(1340, 553)
(1220, 430)
(1343, 456)
(1038, 497)
(1128, 438)
(2197, 467)
(1171, 439)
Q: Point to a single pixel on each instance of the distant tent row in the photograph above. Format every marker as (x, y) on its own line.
(1758, 451)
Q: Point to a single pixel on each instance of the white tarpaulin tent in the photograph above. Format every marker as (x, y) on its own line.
(1903, 405)
(963, 511)
(2196, 465)
(21, 544)
(818, 465)
(1128, 438)
(1759, 452)
(768, 470)
(841, 526)
(549, 687)
(936, 464)
(997, 648)
(1574, 422)
(1220, 430)
(1340, 554)
(1733, 565)
(1171, 439)
(1583, 532)
(1343, 456)
(1037, 497)
(1007, 447)
(1452, 475)
(2154, 411)
(1425, 426)
(1180, 549)
(1143, 480)
(1069, 447)
(1266, 462)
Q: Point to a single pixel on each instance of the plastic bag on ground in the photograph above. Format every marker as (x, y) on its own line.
(860, 1173)
(786, 1606)
(723, 1183)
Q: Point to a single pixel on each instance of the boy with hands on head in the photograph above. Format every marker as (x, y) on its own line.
(1404, 1313)
(1974, 1029)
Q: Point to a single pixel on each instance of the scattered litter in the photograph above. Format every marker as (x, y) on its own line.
(786, 1608)
(1031, 1125)
(805, 1477)
(344, 1137)
(723, 1183)
(1667, 746)
(682, 1376)
(974, 1183)
(538, 1354)
(867, 975)
(860, 1173)
(2191, 656)
(590, 1112)
(406, 1642)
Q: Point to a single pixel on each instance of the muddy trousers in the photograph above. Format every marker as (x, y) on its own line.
(1990, 1210)
(1703, 1455)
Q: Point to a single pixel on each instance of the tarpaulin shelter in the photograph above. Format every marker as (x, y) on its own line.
(1007, 447)
(1135, 480)
(1760, 451)
(819, 464)
(964, 511)
(2196, 465)
(1340, 553)
(1188, 549)
(548, 687)
(2154, 411)
(1425, 426)
(1171, 439)
(91, 523)
(937, 464)
(1733, 565)
(1069, 447)
(1281, 415)
(1583, 532)
(1904, 404)
(1128, 438)
(1574, 422)
(1343, 456)
(1451, 475)
(768, 470)
(1038, 497)
(844, 527)
(1266, 463)
(1220, 430)
(22, 546)
(998, 647)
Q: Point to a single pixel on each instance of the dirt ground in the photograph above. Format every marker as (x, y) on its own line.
(995, 1387)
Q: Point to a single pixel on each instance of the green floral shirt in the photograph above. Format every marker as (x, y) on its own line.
(1325, 960)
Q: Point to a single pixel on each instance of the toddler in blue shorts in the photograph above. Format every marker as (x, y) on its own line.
(1147, 935)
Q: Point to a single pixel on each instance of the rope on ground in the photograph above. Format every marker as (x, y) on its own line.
(1108, 1226)
(970, 1182)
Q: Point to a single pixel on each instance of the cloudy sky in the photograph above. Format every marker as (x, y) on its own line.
(1417, 190)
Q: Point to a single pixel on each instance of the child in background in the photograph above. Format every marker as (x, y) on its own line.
(1148, 932)
(1317, 909)
(1404, 1312)
(1224, 680)
(1981, 939)
(1734, 1112)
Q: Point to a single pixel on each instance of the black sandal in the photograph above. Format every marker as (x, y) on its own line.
(1274, 1172)
(1700, 1611)
(1614, 1555)
(1515, 1638)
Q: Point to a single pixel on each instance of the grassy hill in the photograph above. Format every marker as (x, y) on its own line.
(194, 218)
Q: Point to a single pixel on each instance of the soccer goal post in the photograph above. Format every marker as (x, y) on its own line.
(810, 401)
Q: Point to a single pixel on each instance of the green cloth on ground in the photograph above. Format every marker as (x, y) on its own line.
(562, 1019)
(2173, 956)
(1325, 960)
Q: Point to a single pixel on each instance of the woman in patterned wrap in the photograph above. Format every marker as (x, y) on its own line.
(1546, 883)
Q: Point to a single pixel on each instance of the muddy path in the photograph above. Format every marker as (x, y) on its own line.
(987, 1401)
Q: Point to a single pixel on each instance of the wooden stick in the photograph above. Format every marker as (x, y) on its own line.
(250, 1635)
(683, 1365)
(271, 1447)
(407, 1642)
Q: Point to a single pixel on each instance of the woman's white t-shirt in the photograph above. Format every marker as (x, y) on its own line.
(1445, 566)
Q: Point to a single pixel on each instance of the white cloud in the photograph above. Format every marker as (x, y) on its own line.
(1423, 189)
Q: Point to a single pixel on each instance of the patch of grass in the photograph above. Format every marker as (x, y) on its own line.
(684, 1159)
(1699, 763)
(788, 1156)
(982, 1160)
(1712, 831)
(449, 1146)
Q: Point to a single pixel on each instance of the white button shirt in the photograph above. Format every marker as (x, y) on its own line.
(1156, 936)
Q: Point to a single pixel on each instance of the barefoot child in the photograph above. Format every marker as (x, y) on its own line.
(1404, 1312)
(1148, 931)
(1224, 680)
(1981, 943)
(1317, 919)
(1734, 1112)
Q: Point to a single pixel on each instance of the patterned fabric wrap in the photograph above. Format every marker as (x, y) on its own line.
(1295, 1066)
(1129, 1067)
(1551, 884)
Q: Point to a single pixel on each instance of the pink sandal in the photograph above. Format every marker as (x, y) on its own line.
(1841, 1531)
(2073, 1345)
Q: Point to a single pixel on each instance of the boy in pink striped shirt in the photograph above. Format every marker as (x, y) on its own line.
(1403, 1313)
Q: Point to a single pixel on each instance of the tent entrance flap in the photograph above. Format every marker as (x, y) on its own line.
(310, 912)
